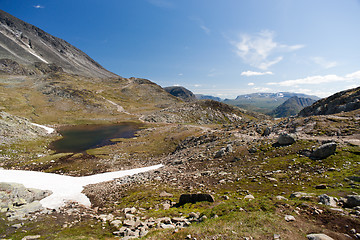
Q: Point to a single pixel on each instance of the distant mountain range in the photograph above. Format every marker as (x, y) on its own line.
(264, 102)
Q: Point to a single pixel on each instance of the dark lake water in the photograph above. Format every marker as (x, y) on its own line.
(83, 137)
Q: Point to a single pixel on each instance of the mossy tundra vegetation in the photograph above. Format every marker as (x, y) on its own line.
(259, 189)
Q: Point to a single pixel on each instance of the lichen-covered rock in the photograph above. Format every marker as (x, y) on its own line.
(327, 200)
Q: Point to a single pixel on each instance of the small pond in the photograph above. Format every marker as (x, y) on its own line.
(80, 138)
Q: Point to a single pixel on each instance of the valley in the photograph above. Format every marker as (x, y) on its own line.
(197, 169)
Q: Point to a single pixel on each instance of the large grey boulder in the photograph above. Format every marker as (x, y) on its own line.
(319, 236)
(286, 139)
(352, 201)
(323, 151)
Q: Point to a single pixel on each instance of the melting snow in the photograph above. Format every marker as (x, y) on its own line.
(64, 188)
(48, 129)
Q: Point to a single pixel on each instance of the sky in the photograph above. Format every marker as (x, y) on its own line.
(223, 48)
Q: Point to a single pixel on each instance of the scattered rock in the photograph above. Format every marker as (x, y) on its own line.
(354, 178)
(281, 198)
(116, 223)
(321, 186)
(301, 195)
(165, 194)
(289, 218)
(319, 236)
(220, 153)
(327, 200)
(30, 237)
(266, 132)
(249, 197)
(253, 150)
(323, 151)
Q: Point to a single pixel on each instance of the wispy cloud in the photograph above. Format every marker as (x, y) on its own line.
(260, 50)
(38, 6)
(251, 84)
(319, 79)
(206, 29)
(162, 3)
(324, 63)
(251, 73)
(201, 24)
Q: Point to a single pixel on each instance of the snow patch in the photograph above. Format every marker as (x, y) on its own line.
(64, 188)
(49, 130)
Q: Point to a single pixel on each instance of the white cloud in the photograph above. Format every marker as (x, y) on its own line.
(324, 63)
(251, 84)
(251, 73)
(197, 85)
(180, 74)
(261, 50)
(38, 6)
(314, 80)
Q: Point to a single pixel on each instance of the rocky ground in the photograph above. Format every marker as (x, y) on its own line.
(284, 179)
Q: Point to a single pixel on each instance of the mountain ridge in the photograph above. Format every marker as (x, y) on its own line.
(291, 107)
(27, 44)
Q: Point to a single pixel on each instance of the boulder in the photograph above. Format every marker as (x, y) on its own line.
(285, 139)
(352, 201)
(327, 200)
(323, 151)
(194, 198)
(319, 236)
(220, 153)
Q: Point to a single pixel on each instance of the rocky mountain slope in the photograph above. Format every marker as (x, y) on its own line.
(344, 101)
(31, 48)
(291, 107)
(264, 102)
(181, 93)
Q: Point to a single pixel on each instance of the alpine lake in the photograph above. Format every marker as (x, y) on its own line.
(80, 138)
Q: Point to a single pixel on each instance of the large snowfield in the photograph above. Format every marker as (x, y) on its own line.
(64, 188)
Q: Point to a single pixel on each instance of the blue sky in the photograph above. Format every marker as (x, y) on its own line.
(223, 48)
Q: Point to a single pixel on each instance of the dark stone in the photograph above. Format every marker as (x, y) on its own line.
(321, 186)
(352, 201)
(285, 139)
(323, 151)
(194, 198)
(266, 132)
